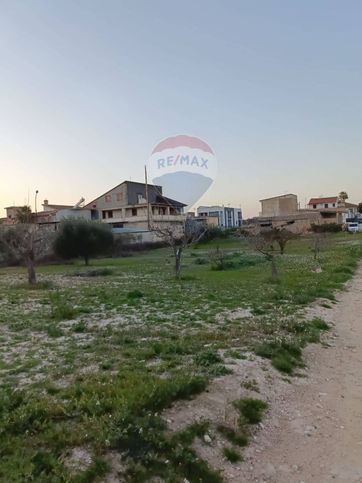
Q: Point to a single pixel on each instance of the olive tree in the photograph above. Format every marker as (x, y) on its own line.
(319, 242)
(179, 236)
(83, 238)
(279, 235)
(260, 242)
(25, 242)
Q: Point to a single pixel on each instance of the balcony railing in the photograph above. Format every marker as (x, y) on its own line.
(144, 218)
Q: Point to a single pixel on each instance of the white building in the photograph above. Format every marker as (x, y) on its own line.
(227, 217)
(323, 203)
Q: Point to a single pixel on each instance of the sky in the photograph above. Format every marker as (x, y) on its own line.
(89, 87)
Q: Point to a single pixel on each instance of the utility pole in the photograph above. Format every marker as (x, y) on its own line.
(36, 210)
(148, 206)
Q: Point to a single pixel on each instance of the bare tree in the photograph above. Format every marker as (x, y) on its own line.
(262, 242)
(281, 236)
(217, 259)
(179, 236)
(25, 242)
(319, 242)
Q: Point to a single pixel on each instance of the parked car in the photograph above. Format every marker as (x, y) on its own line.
(354, 227)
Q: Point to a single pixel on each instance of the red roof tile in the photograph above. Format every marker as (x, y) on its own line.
(316, 201)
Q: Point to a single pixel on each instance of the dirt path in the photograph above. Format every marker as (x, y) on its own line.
(314, 434)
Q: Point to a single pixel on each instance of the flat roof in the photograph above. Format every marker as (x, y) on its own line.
(280, 196)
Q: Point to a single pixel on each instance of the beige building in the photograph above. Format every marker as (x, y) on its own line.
(299, 222)
(332, 209)
(279, 205)
(11, 215)
(135, 205)
(283, 212)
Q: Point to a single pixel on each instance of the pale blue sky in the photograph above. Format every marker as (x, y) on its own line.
(87, 88)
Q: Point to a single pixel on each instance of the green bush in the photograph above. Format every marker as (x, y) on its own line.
(326, 228)
(82, 238)
(60, 309)
(232, 455)
(251, 410)
(54, 331)
(95, 272)
(234, 437)
(207, 358)
(135, 294)
(284, 355)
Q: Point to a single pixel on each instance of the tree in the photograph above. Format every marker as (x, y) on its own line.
(281, 236)
(25, 242)
(179, 237)
(261, 242)
(82, 238)
(359, 208)
(24, 215)
(343, 196)
(319, 242)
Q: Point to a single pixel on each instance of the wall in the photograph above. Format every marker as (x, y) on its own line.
(140, 188)
(280, 205)
(321, 206)
(124, 195)
(80, 213)
(116, 198)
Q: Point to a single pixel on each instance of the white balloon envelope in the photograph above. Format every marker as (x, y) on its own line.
(185, 166)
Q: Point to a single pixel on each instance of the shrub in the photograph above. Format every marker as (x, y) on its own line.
(285, 356)
(232, 455)
(79, 327)
(96, 272)
(215, 232)
(234, 354)
(234, 437)
(251, 410)
(54, 331)
(82, 238)
(135, 294)
(326, 228)
(60, 309)
(207, 358)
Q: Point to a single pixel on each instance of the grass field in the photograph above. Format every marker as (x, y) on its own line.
(91, 357)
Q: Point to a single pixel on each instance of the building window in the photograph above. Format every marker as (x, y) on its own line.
(134, 211)
(110, 214)
(314, 207)
(325, 205)
(119, 196)
(104, 215)
(334, 205)
(108, 198)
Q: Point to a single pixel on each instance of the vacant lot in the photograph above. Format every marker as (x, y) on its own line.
(91, 358)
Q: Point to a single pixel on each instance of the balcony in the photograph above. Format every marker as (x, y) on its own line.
(143, 219)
